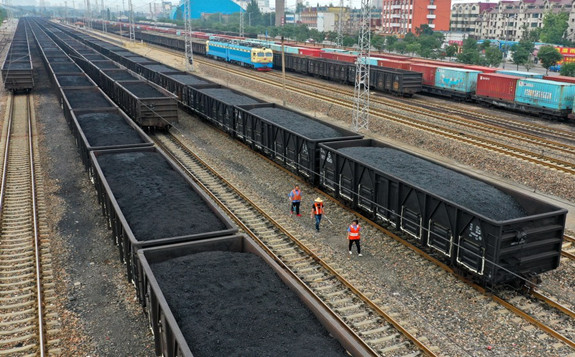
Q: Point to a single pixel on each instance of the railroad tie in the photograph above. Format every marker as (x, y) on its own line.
(384, 339)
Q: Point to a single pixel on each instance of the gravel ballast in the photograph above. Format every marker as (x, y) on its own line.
(233, 304)
(107, 129)
(298, 123)
(156, 200)
(466, 191)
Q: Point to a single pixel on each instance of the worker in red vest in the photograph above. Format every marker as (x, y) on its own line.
(317, 211)
(353, 236)
(295, 197)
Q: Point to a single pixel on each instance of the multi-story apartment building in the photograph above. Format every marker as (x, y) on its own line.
(403, 16)
(464, 16)
(511, 20)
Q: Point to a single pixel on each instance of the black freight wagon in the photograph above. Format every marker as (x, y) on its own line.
(217, 104)
(150, 202)
(200, 307)
(493, 232)
(178, 83)
(17, 70)
(146, 104)
(286, 136)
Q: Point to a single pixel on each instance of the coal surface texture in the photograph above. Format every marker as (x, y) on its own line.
(298, 123)
(233, 304)
(105, 64)
(156, 200)
(186, 79)
(228, 97)
(160, 68)
(142, 90)
(107, 129)
(74, 81)
(79, 98)
(465, 191)
(65, 68)
(120, 75)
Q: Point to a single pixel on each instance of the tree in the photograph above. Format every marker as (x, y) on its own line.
(424, 30)
(410, 38)
(493, 56)
(554, 27)
(568, 69)
(549, 56)
(378, 42)
(451, 50)
(254, 16)
(390, 41)
(520, 56)
(485, 45)
(400, 46)
(469, 53)
(414, 47)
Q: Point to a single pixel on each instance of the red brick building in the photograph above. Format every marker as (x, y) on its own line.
(403, 16)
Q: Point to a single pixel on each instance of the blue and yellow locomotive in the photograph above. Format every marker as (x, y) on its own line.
(244, 54)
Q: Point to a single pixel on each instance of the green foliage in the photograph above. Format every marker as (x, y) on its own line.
(554, 27)
(520, 56)
(2, 14)
(410, 38)
(549, 56)
(253, 16)
(390, 41)
(568, 69)
(378, 42)
(400, 46)
(485, 45)
(413, 47)
(451, 50)
(493, 56)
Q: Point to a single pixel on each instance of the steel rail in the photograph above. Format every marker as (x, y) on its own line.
(314, 256)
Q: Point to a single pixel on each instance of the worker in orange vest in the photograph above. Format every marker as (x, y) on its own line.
(317, 211)
(295, 197)
(353, 236)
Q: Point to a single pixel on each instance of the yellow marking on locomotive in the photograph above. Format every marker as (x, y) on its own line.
(262, 55)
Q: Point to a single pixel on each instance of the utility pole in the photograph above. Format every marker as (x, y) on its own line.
(241, 20)
(188, 35)
(339, 40)
(361, 92)
(88, 15)
(104, 17)
(132, 25)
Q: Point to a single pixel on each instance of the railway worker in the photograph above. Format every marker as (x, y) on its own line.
(353, 236)
(317, 211)
(295, 197)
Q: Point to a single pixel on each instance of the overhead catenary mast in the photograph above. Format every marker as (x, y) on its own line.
(339, 40)
(132, 24)
(241, 20)
(361, 92)
(188, 35)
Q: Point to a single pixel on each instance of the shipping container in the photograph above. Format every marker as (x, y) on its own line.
(286, 136)
(563, 79)
(383, 62)
(177, 316)
(313, 52)
(150, 201)
(520, 74)
(545, 94)
(392, 57)
(496, 86)
(372, 61)
(491, 231)
(482, 69)
(427, 71)
(436, 63)
(343, 57)
(456, 79)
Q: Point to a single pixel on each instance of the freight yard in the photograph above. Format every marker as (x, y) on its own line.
(97, 311)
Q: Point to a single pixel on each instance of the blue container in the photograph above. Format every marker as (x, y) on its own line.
(545, 94)
(293, 50)
(520, 74)
(456, 79)
(371, 60)
(334, 50)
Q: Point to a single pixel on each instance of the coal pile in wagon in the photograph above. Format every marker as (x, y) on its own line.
(160, 68)
(105, 64)
(463, 190)
(74, 81)
(65, 68)
(187, 79)
(86, 99)
(107, 129)
(156, 200)
(298, 123)
(229, 97)
(120, 75)
(142, 90)
(232, 304)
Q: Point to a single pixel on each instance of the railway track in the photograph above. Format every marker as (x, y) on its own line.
(378, 333)
(28, 327)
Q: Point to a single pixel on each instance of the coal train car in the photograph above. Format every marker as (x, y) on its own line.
(17, 70)
(492, 249)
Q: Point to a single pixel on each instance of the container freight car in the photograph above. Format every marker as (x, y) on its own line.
(196, 321)
(457, 82)
(542, 94)
(17, 70)
(151, 202)
(520, 74)
(494, 233)
(286, 136)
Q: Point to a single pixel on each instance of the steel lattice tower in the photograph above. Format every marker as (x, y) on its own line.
(132, 24)
(339, 40)
(88, 15)
(188, 35)
(241, 20)
(361, 108)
